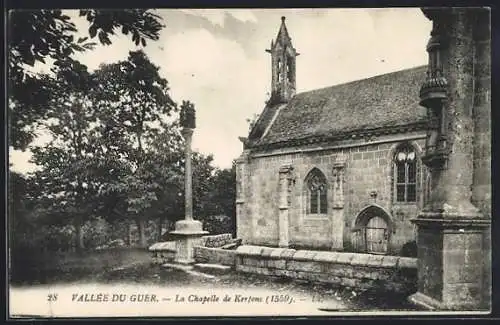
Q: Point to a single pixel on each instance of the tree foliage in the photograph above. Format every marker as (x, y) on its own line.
(67, 186)
(116, 153)
(37, 35)
(100, 123)
(137, 97)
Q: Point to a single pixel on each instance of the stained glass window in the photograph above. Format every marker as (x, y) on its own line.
(405, 174)
(317, 192)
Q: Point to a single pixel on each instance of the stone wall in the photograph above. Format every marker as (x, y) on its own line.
(163, 252)
(368, 169)
(216, 240)
(205, 252)
(361, 271)
(214, 255)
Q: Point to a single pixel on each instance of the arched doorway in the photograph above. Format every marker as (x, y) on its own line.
(376, 235)
(373, 230)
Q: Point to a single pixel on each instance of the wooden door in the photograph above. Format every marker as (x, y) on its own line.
(376, 235)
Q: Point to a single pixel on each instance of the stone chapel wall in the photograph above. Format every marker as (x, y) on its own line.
(367, 169)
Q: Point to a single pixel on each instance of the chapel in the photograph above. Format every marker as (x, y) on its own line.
(394, 164)
(337, 168)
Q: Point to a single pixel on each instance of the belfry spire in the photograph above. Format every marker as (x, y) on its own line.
(283, 58)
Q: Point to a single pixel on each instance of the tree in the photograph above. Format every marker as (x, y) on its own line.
(225, 190)
(219, 197)
(20, 205)
(164, 160)
(134, 92)
(35, 36)
(106, 156)
(67, 188)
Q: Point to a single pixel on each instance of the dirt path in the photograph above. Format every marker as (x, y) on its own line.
(118, 268)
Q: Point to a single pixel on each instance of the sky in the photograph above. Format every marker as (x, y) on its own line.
(216, 59)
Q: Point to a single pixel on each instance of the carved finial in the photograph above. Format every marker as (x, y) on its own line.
(187, 115)
(283, 18)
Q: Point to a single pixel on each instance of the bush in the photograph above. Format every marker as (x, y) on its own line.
(58, 238)
(96, 233)
(44, 238)
(216, 225)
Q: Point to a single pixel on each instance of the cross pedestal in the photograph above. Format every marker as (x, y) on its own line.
(188, 233)
(451, 263)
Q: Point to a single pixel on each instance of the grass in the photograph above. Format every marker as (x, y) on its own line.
(72, 266)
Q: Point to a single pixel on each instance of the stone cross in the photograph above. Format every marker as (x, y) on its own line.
(188, 230)
(187, 133)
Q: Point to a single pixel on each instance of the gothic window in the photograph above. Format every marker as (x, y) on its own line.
(316, 191)
(405, 174)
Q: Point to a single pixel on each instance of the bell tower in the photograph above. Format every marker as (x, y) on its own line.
(283, 57)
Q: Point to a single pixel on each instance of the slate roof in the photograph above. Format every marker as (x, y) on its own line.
(385, 101)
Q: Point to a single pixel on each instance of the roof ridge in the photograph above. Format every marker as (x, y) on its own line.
(382, 101)
(359, 80)
(374, 131)
(271, 122)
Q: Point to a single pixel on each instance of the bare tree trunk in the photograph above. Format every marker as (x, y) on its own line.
(141, 225)
(129, 233)
(80, 245)
(160, 228)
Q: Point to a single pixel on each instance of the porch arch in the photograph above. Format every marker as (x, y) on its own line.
(372, 231)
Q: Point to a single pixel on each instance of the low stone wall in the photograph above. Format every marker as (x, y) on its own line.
(216, 240)
(214, 255)
(362, 271)
(163, 252)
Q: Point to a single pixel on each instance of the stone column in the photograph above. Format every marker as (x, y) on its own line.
(450, 236)
(338, 205)
(188, 231)
(285, 185)
(188, 181)
(481, 190)
(481, 178)
(338, 187)
(243, 221)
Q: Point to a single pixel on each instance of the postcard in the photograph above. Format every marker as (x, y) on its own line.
(249, 162)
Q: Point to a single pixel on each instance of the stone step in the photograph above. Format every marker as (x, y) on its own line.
(188, 269)
(231, 245)
(177, 266)
(213, 268)
(201, 274)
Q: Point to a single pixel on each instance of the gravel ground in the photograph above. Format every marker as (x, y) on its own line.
(349, 297)
(122, 268)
